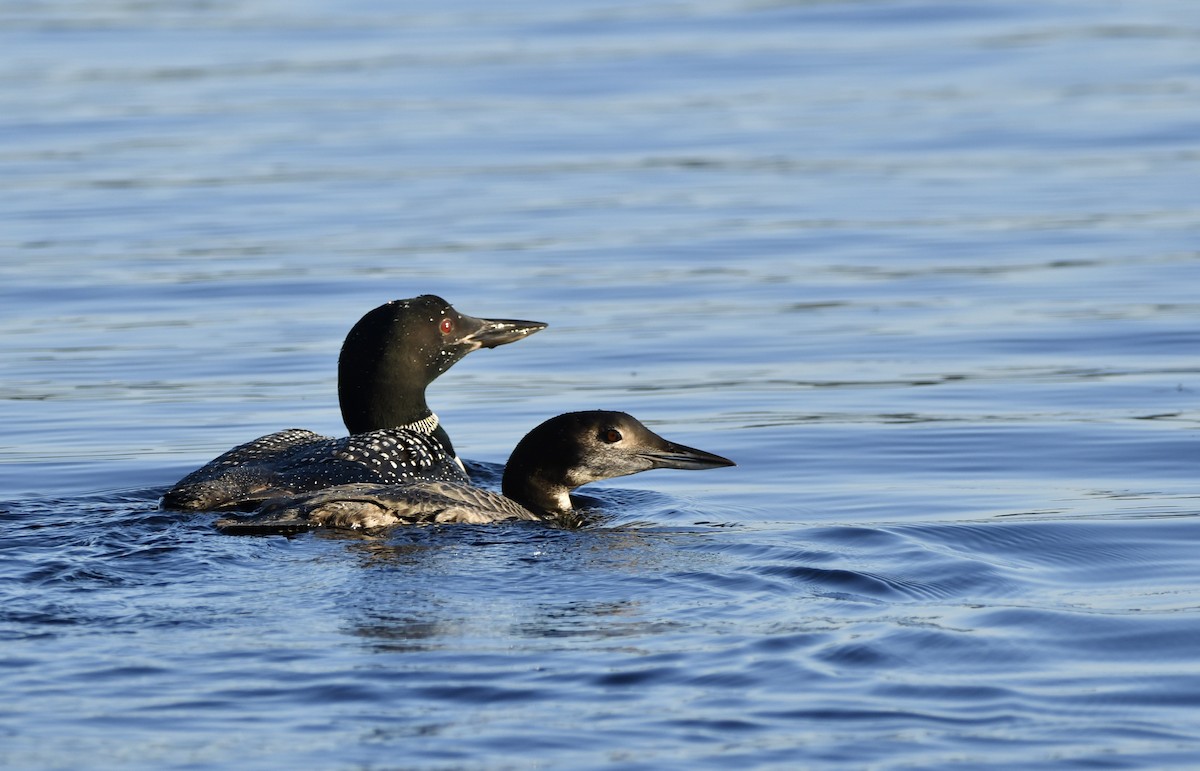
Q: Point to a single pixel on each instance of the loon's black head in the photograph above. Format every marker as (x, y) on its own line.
(580, 447)
(398, 349)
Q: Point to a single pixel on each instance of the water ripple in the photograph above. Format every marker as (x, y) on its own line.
(925, 271)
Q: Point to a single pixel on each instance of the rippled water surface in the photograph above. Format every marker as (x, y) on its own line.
(927, 271)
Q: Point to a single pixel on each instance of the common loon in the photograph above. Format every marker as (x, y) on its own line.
(553, 459)
(386, 362)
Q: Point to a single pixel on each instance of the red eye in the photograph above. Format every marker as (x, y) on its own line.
(610, 435)
(447, 325)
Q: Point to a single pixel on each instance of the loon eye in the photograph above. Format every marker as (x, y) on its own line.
(610, 435)
(447, 325)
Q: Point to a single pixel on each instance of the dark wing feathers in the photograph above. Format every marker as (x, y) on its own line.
(372, 506)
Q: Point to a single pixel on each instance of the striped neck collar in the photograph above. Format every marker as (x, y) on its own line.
(426, 425)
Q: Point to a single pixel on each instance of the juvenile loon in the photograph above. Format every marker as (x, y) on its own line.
(386, 362)
(553, 459)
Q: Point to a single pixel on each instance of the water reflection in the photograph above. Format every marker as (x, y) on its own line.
(430, 588)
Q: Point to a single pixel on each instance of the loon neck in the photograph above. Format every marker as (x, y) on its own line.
(413, 414)
(538, 494)
(537, 480)
(370, 406)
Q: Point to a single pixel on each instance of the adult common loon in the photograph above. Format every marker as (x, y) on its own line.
(386, 362)
(553, 459)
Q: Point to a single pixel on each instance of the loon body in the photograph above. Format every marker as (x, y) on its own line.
(388, 359)
(553, 459)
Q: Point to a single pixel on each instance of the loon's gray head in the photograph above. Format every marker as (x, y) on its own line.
(397, 349)
(571, 450)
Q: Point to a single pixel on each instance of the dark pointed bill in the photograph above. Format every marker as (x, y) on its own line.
(489, 333)
(672, 455)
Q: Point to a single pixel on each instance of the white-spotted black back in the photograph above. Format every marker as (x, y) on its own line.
(299, 461)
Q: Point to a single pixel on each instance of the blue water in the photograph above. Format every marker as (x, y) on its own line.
(927, 271)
